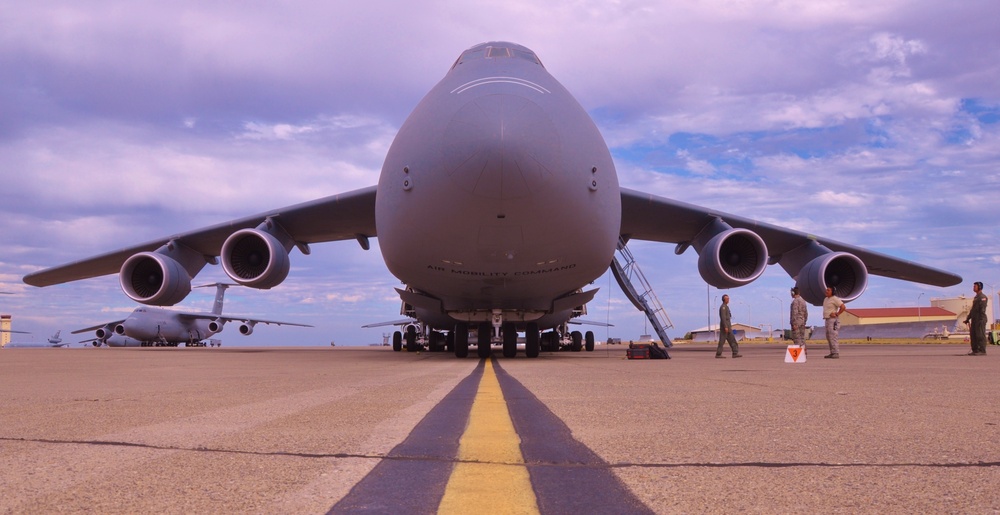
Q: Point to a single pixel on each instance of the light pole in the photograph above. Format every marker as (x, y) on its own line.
(717, 329)
(708, 306)
(918, 305)
(781, 311)
(993, 310)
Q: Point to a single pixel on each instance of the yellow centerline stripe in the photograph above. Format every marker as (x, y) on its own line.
(491, 476)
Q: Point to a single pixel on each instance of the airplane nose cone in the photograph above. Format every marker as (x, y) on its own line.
(500, 146)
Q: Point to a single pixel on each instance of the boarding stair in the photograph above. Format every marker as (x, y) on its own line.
(632, 281)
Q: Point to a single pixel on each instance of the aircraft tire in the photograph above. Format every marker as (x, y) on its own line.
(509, 340)
(577, 344)
(436, 343)
(532, 342)
(461, 338)
(411, 339)
(550, 341)
(397, 341)
(483, 344)
(588, 341)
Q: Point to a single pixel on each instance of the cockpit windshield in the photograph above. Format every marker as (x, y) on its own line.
(497, 50)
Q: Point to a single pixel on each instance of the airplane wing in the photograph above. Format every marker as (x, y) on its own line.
(98, 326)
(338, 217)
(209, 316)
(403, 321)
(575, 321)
(653, 218)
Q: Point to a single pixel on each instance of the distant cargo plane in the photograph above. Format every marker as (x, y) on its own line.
(147, 327)
(497, 205)
(54, 341)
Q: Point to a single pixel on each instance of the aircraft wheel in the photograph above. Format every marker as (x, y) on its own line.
(461, 337)
(436, 342)
(397, 341)
(483, 345)
(588, 341)
(509, 340)
(550, 341)
(577, 345)
(531, 340)
(411, 339)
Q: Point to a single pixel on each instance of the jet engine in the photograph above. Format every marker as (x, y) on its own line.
(154, 278)
(103, 333)
(246, 329)
(216, 325)
(845, 273)
(731, 258)
(256, 257)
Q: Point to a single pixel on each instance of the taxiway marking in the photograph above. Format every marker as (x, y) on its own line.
(489, 456)
(491, 446)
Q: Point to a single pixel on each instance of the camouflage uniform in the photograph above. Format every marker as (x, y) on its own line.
(726, 331)
(831, 306)
(798, 318)
(977, 315)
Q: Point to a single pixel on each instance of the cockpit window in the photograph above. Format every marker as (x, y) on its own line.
(492, 51)
(489, 51)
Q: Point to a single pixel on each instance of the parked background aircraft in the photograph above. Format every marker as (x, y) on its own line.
(53, 341)
(497, 207)
(148, 326)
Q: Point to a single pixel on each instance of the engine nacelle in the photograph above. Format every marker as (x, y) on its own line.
(155, 279)
(103, 333)
(845, 273)
(732, 258)
(246, 329)
(120, 330)
(255, 258)
(216, 325)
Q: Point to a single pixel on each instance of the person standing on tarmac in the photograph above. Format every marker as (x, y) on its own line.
(977, 317)
(798, 317)
(726, 330)
(832, 308)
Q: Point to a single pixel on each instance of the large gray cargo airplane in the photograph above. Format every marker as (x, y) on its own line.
(497, 204)
(157, 327)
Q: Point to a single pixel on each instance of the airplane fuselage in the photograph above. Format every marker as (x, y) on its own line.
(498, 192)
(162, 325)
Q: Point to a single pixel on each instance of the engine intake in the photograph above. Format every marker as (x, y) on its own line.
(732, 258)
(255, 258)
(246, 329)
(155, 279)
(845, 273)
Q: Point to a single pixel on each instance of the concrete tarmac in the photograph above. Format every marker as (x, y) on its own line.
(886, 428)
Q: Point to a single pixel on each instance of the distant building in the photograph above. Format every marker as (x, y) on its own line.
(869, 316)
(741, 331)
(942, 317)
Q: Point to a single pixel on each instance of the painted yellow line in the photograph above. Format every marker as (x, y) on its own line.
(491, 477)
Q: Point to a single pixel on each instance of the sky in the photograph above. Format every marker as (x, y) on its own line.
(872, 123)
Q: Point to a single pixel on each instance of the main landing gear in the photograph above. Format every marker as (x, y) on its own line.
(457, 341)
